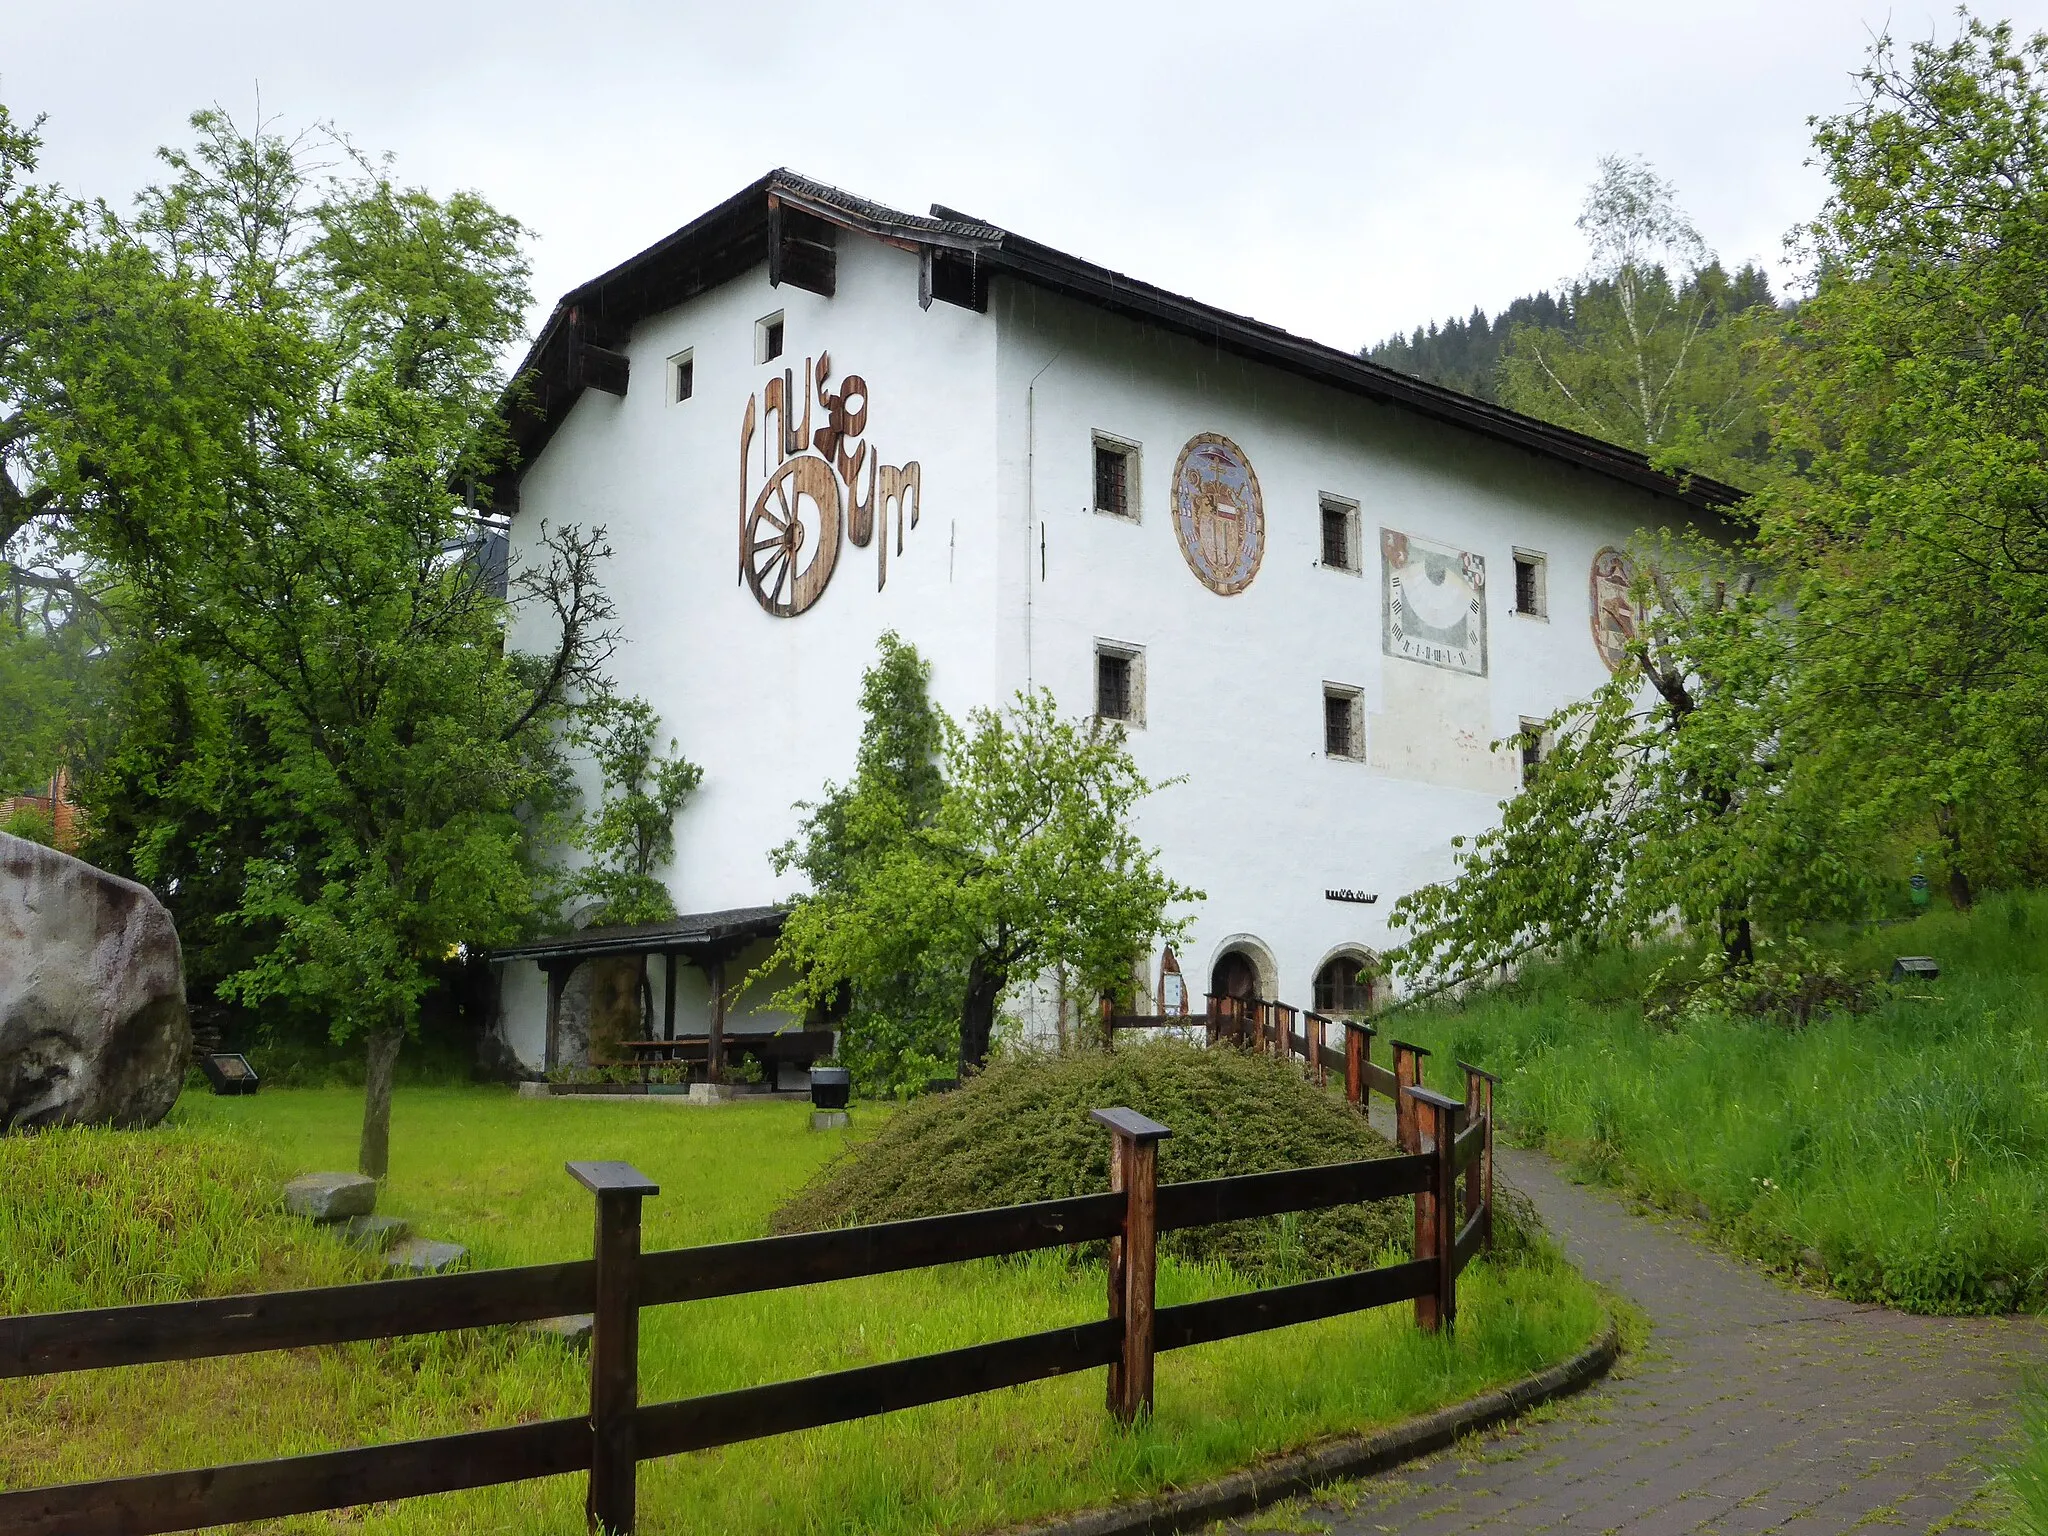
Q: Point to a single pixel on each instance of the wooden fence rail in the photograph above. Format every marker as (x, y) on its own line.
(619, 1432)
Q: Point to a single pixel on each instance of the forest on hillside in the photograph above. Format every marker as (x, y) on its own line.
(1466, 354)
(1653, 346)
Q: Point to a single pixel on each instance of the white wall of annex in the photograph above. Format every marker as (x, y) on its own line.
(1263, 821)
(770, 706)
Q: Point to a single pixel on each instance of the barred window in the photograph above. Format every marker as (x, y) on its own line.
(1529, 596)
(1535, 746)
(1120, 683)
(1343, 723)
(1340, 534)
(1116, 466)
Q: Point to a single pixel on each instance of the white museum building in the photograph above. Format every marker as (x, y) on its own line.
(1314, 591)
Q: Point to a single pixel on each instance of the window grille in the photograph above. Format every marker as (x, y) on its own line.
(1343, 723)
(1337, 726)
(1112, 479)
(1337, 537)
(1531, 743)
(1112, 686)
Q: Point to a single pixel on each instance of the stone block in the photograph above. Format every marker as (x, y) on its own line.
(534, 1091)
(331, 1196)
(423, 1256)
(711, 1093)
(830, 1119)
(372, 1234)
(573, 1330)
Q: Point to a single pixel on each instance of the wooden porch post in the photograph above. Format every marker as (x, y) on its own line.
(558, 981)
(1133, 1254)
(614, 1343)
(714, 1055)
(668, 997)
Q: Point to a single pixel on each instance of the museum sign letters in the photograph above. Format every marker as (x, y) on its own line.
(822, 480)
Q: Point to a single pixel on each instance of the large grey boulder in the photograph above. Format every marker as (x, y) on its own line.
(93, 1027)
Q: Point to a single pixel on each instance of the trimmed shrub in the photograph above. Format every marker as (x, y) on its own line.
(1020, 1132)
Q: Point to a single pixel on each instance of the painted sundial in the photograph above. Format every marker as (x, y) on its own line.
(1218, 515)
(1614, 608)
(1433, 603)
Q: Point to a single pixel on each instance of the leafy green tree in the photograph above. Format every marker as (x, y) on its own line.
(633, 832)
(1915, 378)
(1677, 793)
(1016, 857)
(259, 426)
(898, 1029)
(1654, 357)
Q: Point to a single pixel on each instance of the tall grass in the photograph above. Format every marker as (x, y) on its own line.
(1899, 1151)
(485, 1169)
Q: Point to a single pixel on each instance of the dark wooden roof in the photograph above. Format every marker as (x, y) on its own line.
(575, 346)
(679, 935)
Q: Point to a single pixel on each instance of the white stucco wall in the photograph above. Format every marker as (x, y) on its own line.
(770, 706)
(1011, 577)
(1264, 822)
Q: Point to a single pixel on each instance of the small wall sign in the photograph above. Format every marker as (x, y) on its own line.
(1346, 893)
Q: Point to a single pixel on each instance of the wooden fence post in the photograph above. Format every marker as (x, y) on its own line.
(1355, 1047)
(1133, 1255)
(614, 1342)
(1436, 1210)
(1407, 1074)
(1107, 1007)
(1479, 1181)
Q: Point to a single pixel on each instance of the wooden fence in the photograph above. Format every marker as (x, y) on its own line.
(1450, 1139)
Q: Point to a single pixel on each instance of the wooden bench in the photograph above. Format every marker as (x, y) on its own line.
(791, 1048)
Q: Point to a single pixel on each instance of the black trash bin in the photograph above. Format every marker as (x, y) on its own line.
(831, 1087)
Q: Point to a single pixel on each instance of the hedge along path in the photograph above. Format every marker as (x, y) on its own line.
(1754, 1407)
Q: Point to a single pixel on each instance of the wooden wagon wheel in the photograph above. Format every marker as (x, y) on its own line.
(790, 555)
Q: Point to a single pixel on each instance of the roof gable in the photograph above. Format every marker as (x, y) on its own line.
(789, 222)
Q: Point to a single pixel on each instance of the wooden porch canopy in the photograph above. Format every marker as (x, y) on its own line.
(706, 939)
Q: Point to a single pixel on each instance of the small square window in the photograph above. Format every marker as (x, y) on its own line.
(1529, 594)
(1116, 476)
(1343, 723)
(1340, 534)
(768, 338)
(682, 377)
(1120, 684)
(1534, 743)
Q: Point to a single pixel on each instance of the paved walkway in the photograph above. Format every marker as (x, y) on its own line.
(1752, 1408)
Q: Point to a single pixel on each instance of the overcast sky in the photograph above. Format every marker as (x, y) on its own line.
(1342, 170)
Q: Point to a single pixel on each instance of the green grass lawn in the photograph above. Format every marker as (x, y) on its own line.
(1904, 1148)
(91, 1218)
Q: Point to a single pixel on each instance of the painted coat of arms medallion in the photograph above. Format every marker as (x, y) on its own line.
(1614, 608)
(1433, 603)
(1218, 515)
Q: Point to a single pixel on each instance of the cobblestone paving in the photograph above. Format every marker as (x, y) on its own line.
(1751, 1408)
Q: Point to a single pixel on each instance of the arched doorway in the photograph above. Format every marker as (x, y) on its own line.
(1234, 976)
(1344, 984)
